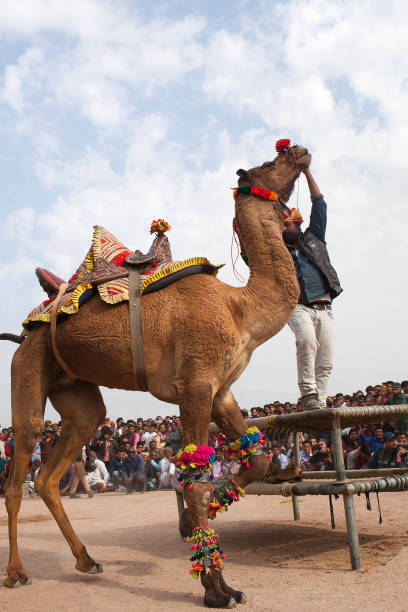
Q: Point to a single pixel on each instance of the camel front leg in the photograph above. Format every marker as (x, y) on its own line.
(195, 464)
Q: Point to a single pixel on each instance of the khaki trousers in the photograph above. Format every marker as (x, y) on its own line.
(80, 475)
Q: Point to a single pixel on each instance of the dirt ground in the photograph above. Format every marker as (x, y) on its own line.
(280, 565)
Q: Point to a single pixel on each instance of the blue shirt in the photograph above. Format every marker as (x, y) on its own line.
(134, 466)
(116, 465)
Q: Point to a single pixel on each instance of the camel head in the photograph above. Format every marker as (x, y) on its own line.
(280, 174)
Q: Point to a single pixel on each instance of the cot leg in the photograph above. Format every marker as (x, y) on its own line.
(295, 501)
(180, 503)
(295, 506)
(349, 510)
(352, 533)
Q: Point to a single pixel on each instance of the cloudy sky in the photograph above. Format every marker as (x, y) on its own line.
(117, 112)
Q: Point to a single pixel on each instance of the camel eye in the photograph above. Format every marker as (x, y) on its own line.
(269, 165)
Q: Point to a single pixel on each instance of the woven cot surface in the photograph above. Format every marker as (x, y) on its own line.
(108, 249)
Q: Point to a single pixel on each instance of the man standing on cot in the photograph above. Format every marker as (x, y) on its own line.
(312, 320)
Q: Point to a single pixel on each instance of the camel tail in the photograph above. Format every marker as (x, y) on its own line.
(12, 338)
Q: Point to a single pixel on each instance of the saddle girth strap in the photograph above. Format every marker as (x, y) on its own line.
(136, 331)
(54, 309)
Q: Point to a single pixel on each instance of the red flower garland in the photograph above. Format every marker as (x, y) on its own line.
(282, 145)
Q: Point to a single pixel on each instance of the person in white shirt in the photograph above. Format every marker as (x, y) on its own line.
(279, 457)
(99, 477)
(167, 470)
(221, 467)
(148, 435)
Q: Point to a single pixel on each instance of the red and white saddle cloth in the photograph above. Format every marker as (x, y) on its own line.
(108, 253)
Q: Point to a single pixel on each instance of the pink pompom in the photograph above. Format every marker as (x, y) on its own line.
(212, 489)
(201, 563)
(182, 484)
(190, 487)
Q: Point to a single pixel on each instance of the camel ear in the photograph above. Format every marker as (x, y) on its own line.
(242, 173)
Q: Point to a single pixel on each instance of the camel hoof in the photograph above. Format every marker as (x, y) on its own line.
(228, 603)
(10, 583)
(95, 569)
(240, 597)
(27, 582)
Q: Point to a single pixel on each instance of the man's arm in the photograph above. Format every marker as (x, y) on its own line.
(313, 188)
(318, 215)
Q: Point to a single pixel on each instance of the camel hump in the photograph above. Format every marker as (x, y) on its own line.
(49, 282)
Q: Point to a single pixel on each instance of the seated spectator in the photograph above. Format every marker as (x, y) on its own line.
(402, 437)
(375, 441)
(47, 445)
(116, 468)
(174, 438)
(98, 478)
(221, 466)
(321, 459)
(167, 469)
(80, 475)
(389, 455)
(396, 398)
(107, 447)
(134, 476)
(358, 458)
(305, 454)
(161, 439)
(151, 472)
(36, 453)
(134, 437)
(279, 458)
(66, 481)
(34, 471)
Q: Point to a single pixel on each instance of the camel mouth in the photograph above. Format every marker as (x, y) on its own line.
(304, 158)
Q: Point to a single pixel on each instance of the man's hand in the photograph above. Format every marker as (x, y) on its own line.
(313, 188)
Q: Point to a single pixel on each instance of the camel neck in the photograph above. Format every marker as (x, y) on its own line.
(272, 287)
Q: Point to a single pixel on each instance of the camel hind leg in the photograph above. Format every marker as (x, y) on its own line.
(24, 442)
(81, 407)
(28, 404)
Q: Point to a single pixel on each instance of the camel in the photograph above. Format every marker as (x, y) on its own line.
(199, 334)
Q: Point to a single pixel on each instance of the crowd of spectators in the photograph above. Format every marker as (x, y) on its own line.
(139, 455)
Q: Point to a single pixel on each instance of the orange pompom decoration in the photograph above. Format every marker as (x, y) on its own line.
(159, 227)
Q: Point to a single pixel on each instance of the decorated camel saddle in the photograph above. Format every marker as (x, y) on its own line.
(105, 269)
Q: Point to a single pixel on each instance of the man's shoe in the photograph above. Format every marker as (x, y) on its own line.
(310, 402)
(74, 496)
(91, 494)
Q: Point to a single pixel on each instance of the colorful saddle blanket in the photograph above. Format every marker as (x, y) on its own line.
(105, 260)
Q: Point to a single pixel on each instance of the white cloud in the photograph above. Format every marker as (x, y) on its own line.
(96, 96)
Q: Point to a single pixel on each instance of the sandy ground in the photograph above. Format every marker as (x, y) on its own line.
(280, 565)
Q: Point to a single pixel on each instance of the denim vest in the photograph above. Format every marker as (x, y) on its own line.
(315, 273)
